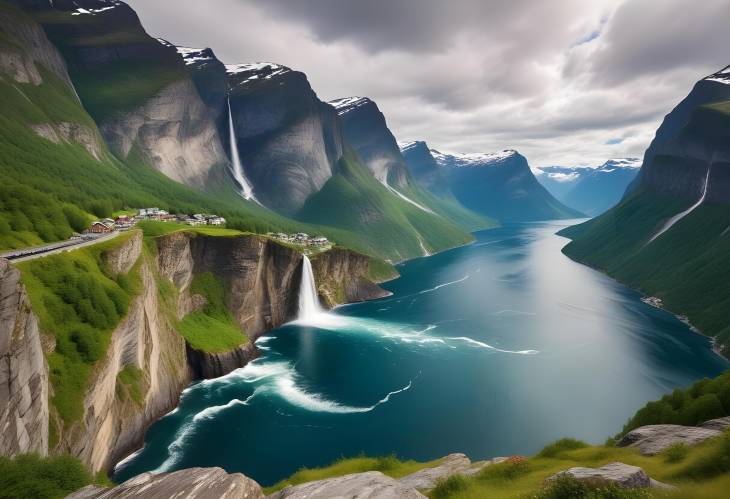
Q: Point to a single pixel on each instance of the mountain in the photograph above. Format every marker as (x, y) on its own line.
(365, 129)
(670, 235)
(499, 185)
(590, 190)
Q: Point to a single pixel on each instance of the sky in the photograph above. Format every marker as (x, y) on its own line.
(565, 82)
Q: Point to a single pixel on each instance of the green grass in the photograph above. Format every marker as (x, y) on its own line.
(688, 267)
(32, 477)
(381, 271)
(383, 225)
(213, 329)
(388, 465)
(130, 384)
(79, 303)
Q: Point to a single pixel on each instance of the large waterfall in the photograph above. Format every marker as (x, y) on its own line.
(308, 300)
(245, 187)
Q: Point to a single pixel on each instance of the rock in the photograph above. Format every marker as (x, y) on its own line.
(23, 371)
(453, 464)
(215, 364)
(191, 483)
(720, 424)
(369, 485)
(624, 475)
(653, 439)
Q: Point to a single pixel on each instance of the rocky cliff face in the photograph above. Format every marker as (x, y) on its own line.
(163, 120)
(691, 139)
(23, 371)
(146, 341)
(365, 129)
(341, 277)
(424, 168)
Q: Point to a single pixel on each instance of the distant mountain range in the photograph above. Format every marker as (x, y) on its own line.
(590, 190)
(499, 185)
(670, 234)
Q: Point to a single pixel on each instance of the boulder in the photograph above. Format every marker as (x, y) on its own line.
(369, 485)
(653, 439)
(624, 475)
(189, 483)
(720, 424)
(453, 464)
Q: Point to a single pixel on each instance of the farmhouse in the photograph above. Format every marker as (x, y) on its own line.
(100, 227)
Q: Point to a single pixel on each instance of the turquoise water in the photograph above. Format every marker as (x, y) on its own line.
(496, 348)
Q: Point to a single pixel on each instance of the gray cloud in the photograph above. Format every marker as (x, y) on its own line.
(555, 80)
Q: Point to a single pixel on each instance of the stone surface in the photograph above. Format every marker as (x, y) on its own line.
(191, 483)
(427, 478)
(23, 371)
(370, 485)
(719, 424)
(624, 475)
(653, 439)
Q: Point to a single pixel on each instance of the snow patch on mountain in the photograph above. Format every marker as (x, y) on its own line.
(255, 71)
(407, 146)
(81, 11)
(722, 76)
(194, 56)
(347, 104)
(612, 164)
(458, 160)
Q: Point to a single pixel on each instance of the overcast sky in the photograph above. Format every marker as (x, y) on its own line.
(565, 82)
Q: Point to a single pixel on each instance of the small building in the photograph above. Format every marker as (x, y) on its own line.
(301, 236)
(216, 220)
(99, 227)
(194, 221)
(320, 241)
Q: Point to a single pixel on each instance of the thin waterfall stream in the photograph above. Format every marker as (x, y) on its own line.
(246, 191)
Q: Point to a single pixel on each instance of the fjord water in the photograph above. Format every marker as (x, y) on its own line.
(491, 349)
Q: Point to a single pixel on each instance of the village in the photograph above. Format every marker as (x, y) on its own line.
(301, 239)
(126, 222)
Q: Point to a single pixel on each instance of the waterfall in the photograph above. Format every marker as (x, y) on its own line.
(246, 191)
(676, 218)
(308, 299)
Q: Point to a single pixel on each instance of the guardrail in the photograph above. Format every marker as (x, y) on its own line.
(21, 253)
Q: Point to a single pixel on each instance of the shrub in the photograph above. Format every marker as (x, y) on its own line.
(564, 444)
(711, 464)
(30, 476)
(567, 487)
(510, 469)
(450, 486)
(676, 453)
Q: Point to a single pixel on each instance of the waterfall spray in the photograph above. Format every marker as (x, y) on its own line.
(308, 300)
(246, 191)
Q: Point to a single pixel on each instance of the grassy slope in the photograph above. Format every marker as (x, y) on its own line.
(384, 224)
(78, 302)
(213, 328)
(688, 267)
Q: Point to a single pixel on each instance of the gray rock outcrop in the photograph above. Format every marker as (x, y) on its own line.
(623, 475)
(653, 439)
(453, 464)
(191, 483)
(23, 371)
(369, 485)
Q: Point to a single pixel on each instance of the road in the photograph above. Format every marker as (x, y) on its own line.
(25, 254)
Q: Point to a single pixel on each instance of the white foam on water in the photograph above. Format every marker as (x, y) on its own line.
(480, 344)
(429, 290)
(127, 459)
(512, 313)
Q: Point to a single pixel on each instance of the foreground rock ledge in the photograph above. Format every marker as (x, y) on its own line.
(369, 485)
(653, 439)
(191, 483)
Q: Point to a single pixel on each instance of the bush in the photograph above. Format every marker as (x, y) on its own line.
(567, 487)
(30, 476)
(712, 464)
(564, 444)
(510, 469)
(676, 453)
(450, 486)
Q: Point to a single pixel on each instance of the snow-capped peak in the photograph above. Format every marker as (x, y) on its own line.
(613, 164)
(407, 146)
(347, 104)
(194, 56)
(255, 71)
(108, 4)
(722, 76)
(472, 159)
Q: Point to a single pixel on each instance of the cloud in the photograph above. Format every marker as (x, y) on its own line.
(551, 79)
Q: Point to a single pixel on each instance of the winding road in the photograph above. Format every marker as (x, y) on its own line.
(24, 254)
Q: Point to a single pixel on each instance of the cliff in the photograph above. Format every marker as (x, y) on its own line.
(23, 371)
(148, 361)
(136, 88)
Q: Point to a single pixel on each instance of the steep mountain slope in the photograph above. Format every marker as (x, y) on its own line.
(354, 198)
(498, 185)
(590, 190)
(670, 236)
(365, 129)
(135, 88)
